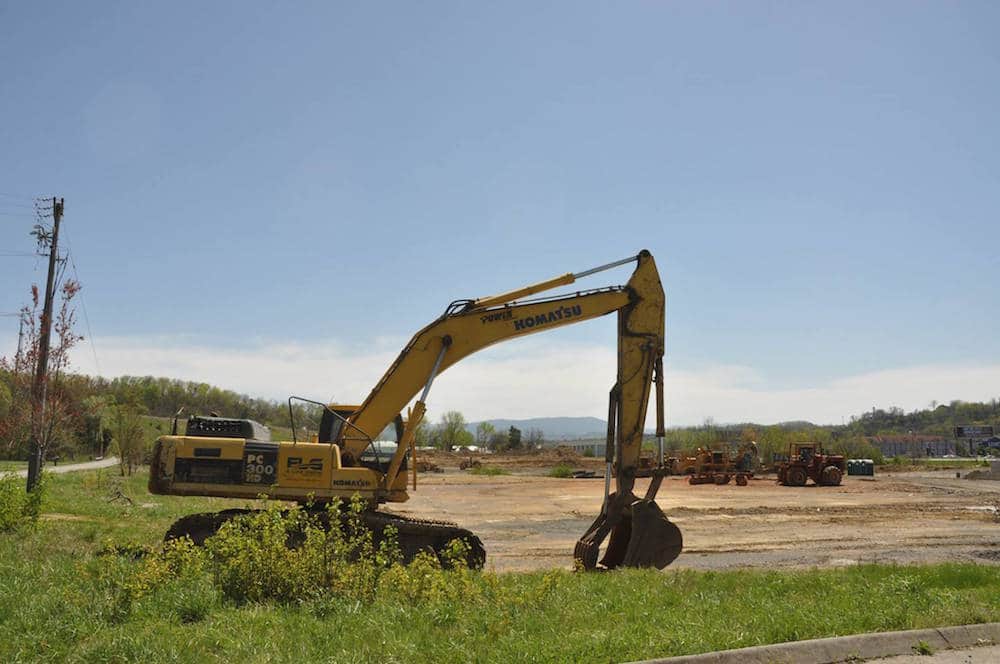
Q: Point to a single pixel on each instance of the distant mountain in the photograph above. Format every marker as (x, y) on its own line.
(553, 428)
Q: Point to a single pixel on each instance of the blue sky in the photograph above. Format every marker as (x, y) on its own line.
(250, 187)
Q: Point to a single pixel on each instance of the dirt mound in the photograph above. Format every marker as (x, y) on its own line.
(512, 459)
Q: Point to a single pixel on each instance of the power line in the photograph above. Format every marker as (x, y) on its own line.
(83, 302)
(18, 196)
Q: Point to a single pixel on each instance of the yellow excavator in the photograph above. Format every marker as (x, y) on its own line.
(236, 459)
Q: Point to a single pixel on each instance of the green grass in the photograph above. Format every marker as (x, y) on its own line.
(906, 463)
(60, 603)
(489, 470)
(7, 466)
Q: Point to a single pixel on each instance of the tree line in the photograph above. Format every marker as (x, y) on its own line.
(772, 441)
(452, 432)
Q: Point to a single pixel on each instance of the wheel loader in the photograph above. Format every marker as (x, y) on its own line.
(806, 461)
(237, 459)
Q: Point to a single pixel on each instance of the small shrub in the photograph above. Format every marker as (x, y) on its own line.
(562, 470)
(489, 470)
(923, 648)
(19, 509)
(124, 550)
(252, 560)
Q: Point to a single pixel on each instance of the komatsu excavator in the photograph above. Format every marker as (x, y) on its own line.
(236, 459)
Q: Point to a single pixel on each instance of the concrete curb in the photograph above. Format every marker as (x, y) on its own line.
(847, 648)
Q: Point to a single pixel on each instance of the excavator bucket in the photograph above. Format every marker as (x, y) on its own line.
(641, 536)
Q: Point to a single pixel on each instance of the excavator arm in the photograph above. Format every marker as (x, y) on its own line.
(640, 534)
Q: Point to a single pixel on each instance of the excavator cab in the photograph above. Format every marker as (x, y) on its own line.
(376, 455)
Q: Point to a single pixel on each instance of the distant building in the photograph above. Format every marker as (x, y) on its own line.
(913, 445)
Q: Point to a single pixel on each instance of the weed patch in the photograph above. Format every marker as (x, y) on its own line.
(562, 471)
(489, 470)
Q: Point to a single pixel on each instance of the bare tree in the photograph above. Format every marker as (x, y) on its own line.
(534, 439)
(18, 372)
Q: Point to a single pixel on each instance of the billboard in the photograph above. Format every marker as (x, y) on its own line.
(977, 431)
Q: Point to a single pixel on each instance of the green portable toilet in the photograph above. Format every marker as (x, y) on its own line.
(864, 467)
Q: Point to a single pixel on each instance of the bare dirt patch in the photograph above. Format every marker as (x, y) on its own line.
(529, 521)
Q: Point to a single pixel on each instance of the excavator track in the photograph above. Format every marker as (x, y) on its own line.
(414, 535)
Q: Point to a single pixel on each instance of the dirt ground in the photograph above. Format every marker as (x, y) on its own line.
(529, 521)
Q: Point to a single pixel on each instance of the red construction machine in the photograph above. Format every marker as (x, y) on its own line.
(806, 461)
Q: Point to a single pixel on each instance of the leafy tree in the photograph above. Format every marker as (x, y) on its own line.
(91, 435)
(128, 435)
(514, 438)
(484, 432)
(856, 447)
(451, 431)
(5, 400)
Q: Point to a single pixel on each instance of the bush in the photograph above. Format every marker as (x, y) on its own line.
(562, 470)
(286, 556)
(252, 561)
(18, 508)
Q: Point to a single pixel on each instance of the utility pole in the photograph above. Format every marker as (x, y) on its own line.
(39, 388)
(20, 342)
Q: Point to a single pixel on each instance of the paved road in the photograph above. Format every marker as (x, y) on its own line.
(983, 655)
(70, 467)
